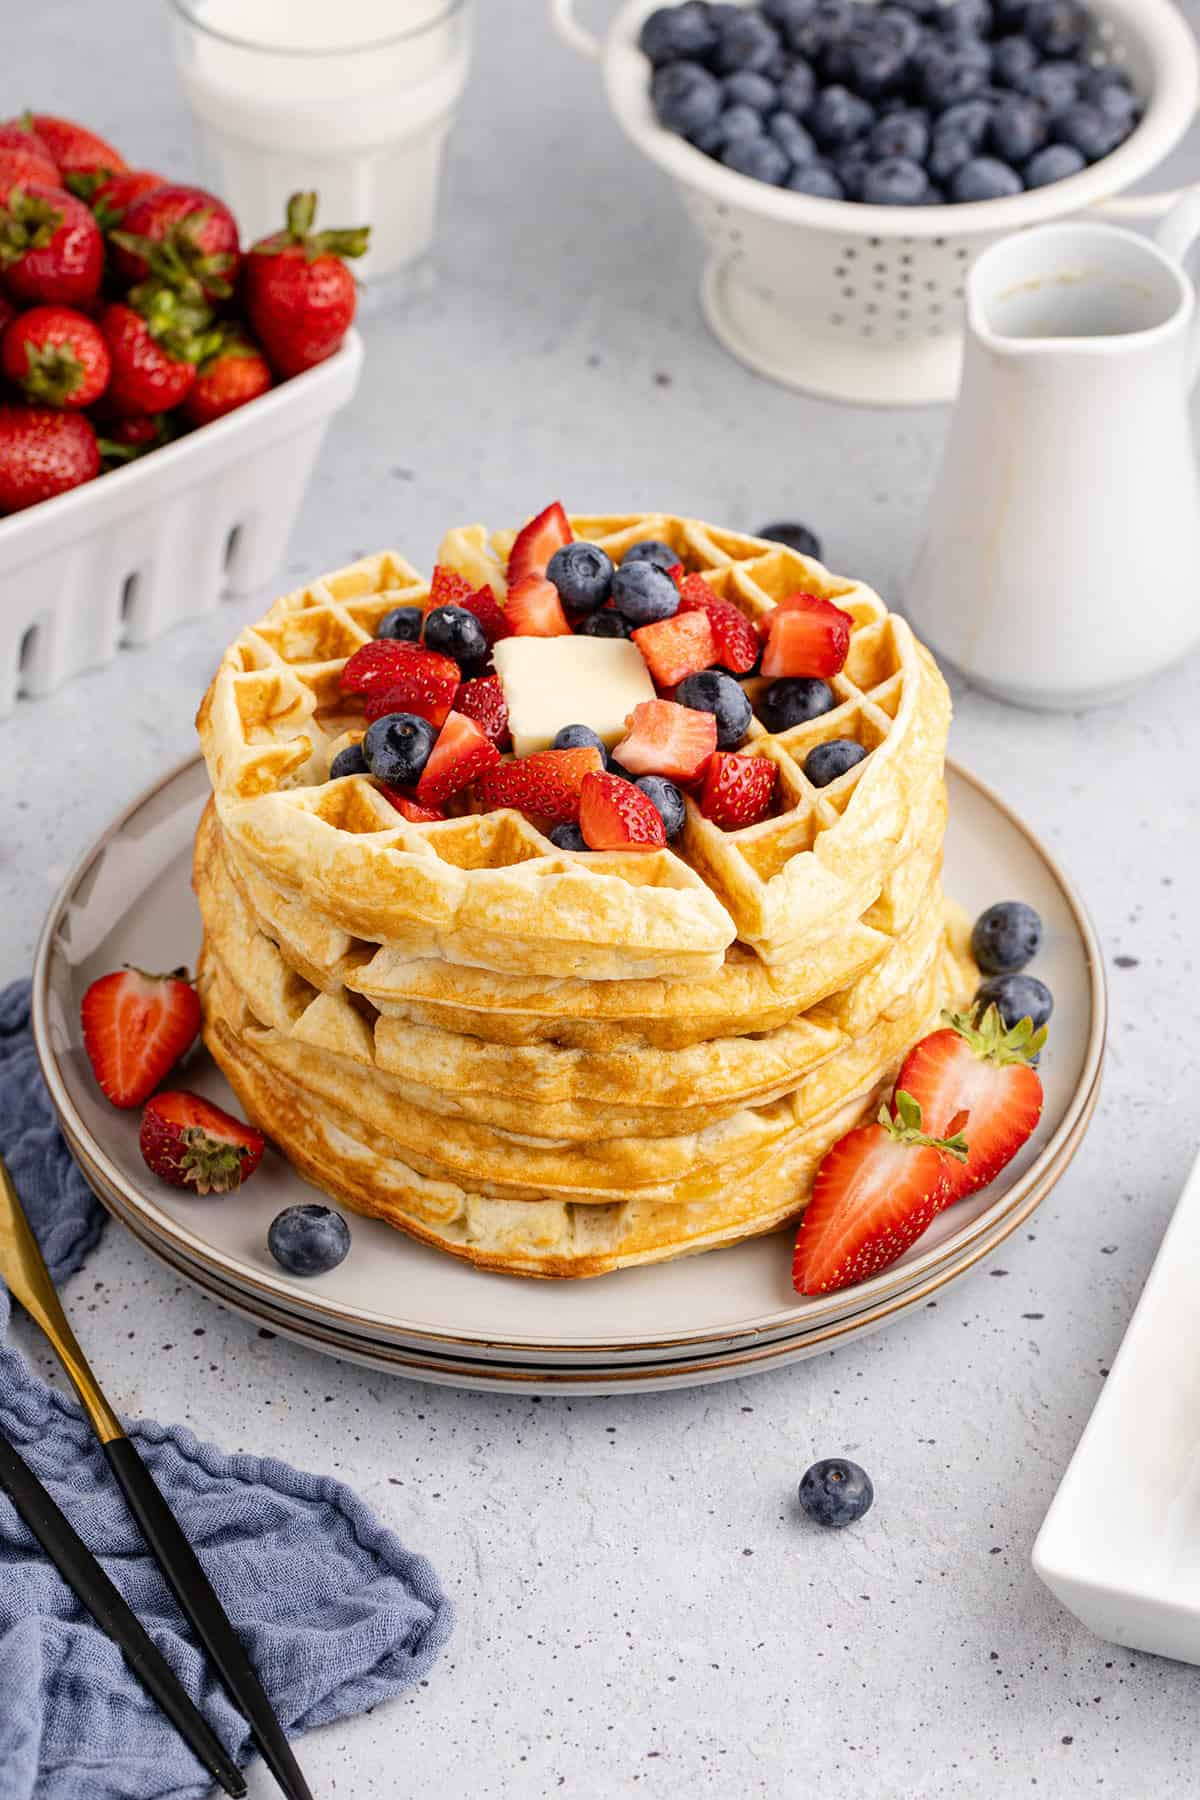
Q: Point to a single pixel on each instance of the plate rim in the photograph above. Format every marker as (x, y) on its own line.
(888, 1284)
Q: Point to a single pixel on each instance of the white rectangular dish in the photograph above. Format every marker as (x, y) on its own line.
(1120, 1545)
(127, 556)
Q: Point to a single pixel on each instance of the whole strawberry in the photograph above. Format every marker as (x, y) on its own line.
(193, 1144)
(182, 236)
(113, 198)
(83, 158)
(18, 134)
(43, 452)
(154, 354)
(56, 355)
(51, 248)
(236, 373)
(126, 438)
(299, 295)
(21, 165)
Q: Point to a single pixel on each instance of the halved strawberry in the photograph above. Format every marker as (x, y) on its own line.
(663, 738)
(676, 572)
(983, 1070)
(537, 542)
(461, 753)
(675, 647)
(545, 787)
(533, 609)
(448, 587)
(483, 700)
(615, 815)
(488, 610)
(876, 1191)
(410, 808)
(193, 1144)
(737, 789)
(399, 677)
(135, 1029)
(737, 643)
(806, 635)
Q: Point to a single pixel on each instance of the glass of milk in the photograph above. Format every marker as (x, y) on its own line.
(354, 98)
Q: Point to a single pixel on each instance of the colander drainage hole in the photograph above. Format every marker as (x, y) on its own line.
(231, 545)
(28, 650)
(129, 593)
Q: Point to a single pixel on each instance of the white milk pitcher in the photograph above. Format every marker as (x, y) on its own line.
(1061, 564)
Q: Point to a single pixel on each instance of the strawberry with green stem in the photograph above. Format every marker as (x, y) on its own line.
(236, 372)
(182, 238)
(51, 248)
(299, 296)
(155, 348)
(193, 1144)
(57, 356)
(83, 158)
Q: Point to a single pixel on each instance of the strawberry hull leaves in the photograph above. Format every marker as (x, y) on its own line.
(56, 356)
(51, 249)
(300, 297)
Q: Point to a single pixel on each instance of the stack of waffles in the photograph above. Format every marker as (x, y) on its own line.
(556, 1063)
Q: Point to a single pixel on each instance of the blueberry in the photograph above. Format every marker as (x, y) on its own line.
(1057, 27)
(722, 696)
(836, 1492)
(795, 142)
(453, 631)
(668, 799)
(309, 1240)
(686, 97)
(739, 124)
(903, 134)
(817, 179)
(1086, 129)
(758, 157)
(748, 88)
(1108, 89)
(651, 550)
(1006, 937)
(825, 762)
(850, 166)
(875, 64)
(1055, 163)
(643, 594)
(1018, 997)
(827, 24)
(1018, 128)
(579, 737)
(675, 31)
(568, 837)
(397, 747)
(953, 72)
(583, 574)
(951, 151)
(747, 41)
(605, 625)
(983, 178)
(894, 182)
(709, 139)
(1009, 15)
(788, 14)
(1055, 87)
(621, 772)
(836, 117)
(403, 624)
(349, 761)
(798, 89)
(971, 117)
(1013, 59)
(793, 537)
(794, 700)
(966, 18)
(903, 26)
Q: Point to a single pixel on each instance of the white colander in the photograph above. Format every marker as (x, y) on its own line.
(864, 303)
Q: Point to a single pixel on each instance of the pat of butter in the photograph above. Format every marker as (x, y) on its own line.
(552, 682)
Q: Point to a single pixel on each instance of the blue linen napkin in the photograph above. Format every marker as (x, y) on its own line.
(336, 1614)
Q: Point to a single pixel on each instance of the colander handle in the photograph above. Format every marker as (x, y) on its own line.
(1130, 208)
(576, 36)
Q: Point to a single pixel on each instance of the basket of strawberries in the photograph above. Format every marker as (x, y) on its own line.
(140, 343)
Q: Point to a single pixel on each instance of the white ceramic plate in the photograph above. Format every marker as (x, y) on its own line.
(129, 900)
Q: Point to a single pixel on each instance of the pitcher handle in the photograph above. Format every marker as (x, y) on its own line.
(576, 36)
(1176, 236)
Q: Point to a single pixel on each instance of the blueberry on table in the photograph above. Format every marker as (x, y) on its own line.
(1056, 162)
(746, 41)
(686, 97)
(605, 625)
(454, 632)
(579, 737)
(722, 696)
(349, 761)
(1017, 997)
(904, 134)
(984, 178)
(826, 762)
(678, 31)
(583, 574)
(1006, 937)
(793, 537)
(748, 88)
(668, 799)
(568, 837)
(836, 117)
(309, 1240)
(758, 157)
(643, 593)
(651, 550)
(836, 1492)
(403, 624)
(1018, 128)
(816, 179)
(894, 182)
(1057, 27)
(794, 700)
(397, 747)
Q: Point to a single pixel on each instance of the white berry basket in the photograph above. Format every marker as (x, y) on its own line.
(123, 558)
(864, 303)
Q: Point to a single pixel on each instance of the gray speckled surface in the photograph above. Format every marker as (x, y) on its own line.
(641, 1610)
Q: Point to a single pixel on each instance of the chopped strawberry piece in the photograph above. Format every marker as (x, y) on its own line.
(461, 753)
(448, 587)
(615, 815)
(410, 808)
(545, 786)
(488, 610)
(533, 609)
(666, 739)
(984, 1070)
(736, 641)
(536, 544)
(806, 635)
(399, 677)
(483, 700)
(675, 647)
(737, 790)
(676, 572)
(135, 1029)
(193, 1144)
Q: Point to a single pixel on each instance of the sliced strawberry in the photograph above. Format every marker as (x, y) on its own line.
(875, 1193)
(400, 677)
(488, 610)
(737, 643)
(806, 635)
(135, 1029)
(665, 739)
(533, 609)
(410, 808)
(448, 587)
(615, 815)
(983, 1070)
(675, 647)
(193, 1144)
(737, 790)
(545, 787)
(483, 700)
(676, 572)
(536, 544)
(461, 753)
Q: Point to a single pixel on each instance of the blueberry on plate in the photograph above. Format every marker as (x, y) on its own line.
(1057, 162)
(816, 179)
(568, 837)
(643, 593)
(403, 624)
(900, 134)
(894, 182)
(746, 41)
(825, 762)
(1086, 129)
(349, 761)
(758, 157)
(794, 700)
(668, 799)
(1013, 58)
(748, 88)
(722, 696)
(686, 97)
(1018, 128)
(792, 537)
(796, 143)
(583, 574)
(1057, 27)
(985, 178)
(1006, 937)
(1017, 997)
(397, 747)
(605, 625)
(651, 550)
(837, 117)
(678, 31)
(836, 1492)
(579, 737)
(739, 124)
(454, 632)
(309, 1239)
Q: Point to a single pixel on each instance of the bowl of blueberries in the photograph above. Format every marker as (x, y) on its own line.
(845, 160)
